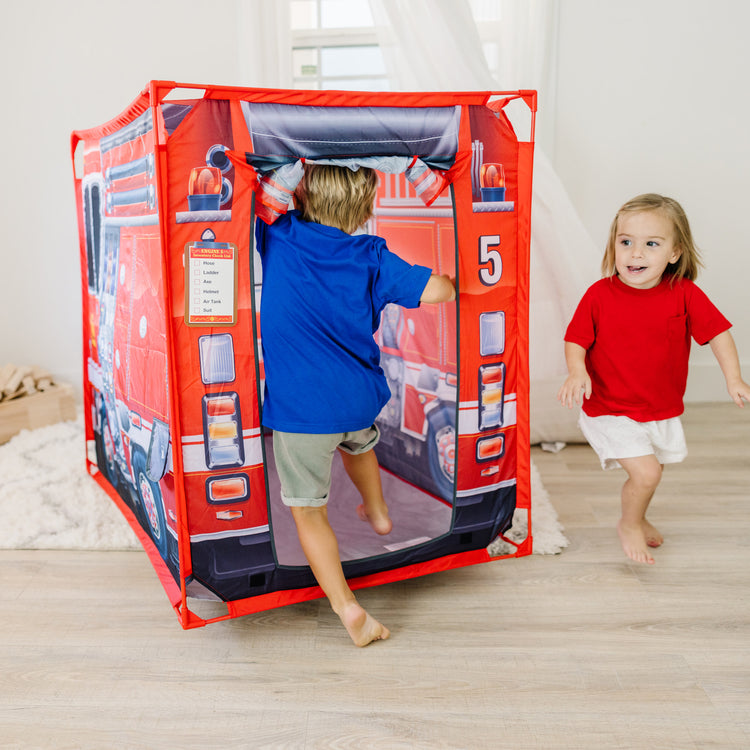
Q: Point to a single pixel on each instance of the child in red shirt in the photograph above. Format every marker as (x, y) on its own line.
(627, 350)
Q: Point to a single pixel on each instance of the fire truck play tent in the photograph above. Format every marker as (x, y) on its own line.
(167, 195)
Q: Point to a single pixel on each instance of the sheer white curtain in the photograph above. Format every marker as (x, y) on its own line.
(430, 45)
(265, 43)
(435, 45)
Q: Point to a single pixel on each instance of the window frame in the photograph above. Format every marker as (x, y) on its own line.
(319, 39)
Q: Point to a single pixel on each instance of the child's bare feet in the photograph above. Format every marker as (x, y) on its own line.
(633, 540)
(362, 628)
(653, 536)
(381, 523)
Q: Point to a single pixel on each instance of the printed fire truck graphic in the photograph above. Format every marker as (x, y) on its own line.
(418, 351)
(174, 380)
(128, 372)
(127, 366)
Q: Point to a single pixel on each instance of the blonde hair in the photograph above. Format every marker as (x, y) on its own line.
(689, 262)
(337, 196)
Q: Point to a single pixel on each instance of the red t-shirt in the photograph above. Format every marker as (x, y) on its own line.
(637, 345)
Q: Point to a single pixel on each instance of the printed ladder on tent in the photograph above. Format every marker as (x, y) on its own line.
(167, 198)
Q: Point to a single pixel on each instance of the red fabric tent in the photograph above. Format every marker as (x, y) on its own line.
(167, 197)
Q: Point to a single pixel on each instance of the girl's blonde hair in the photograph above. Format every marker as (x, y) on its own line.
(337, 196)
(689, 262)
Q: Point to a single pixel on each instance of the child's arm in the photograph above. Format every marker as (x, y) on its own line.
(726, 355)
(438, 289)
(578, 378)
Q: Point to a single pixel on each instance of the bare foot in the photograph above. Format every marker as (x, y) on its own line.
(382, 524)
(653, 537)
(634, 543)
(362, 628)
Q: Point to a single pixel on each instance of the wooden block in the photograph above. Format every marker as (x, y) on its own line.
(14, 382)
(6, 373)
(29, 385)
(40, 373)
(38, 410)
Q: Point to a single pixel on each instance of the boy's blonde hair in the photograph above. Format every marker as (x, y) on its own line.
(689, 262)
(337, 196)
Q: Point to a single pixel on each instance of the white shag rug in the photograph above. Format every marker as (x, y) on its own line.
(49, 501)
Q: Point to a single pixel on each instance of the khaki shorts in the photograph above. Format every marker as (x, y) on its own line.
(303, 462)
(614, 437)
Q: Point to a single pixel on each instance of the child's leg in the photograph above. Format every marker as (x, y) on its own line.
(364, 471)
(322, 551)
(636, 533)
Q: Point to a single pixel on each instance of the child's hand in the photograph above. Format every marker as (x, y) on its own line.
(575, 385)
(739, 391)
(725, 351)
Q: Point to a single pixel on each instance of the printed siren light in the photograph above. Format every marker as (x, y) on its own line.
(492, 180)
(204, 189)
(492, 176)
(204, 181)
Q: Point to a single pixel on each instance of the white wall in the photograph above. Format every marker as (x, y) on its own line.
(69, 66)
(653, 97)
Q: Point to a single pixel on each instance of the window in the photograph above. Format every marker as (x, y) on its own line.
(334, 46)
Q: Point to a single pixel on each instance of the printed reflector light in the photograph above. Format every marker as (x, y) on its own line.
(491, 334)
(216, 358)
(491, 395)
(222, 430)
(230, 489)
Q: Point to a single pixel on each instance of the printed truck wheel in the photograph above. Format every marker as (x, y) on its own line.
(441, 449)
(152, 504)
(109, 466)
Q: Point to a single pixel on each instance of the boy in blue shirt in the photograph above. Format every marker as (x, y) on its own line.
(323, 291)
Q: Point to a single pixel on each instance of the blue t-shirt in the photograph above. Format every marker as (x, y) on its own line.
(323, 291)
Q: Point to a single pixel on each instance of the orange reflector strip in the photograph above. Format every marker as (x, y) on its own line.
(494, 396)
(222, 430)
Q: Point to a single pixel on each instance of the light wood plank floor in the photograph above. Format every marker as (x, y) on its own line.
(579, 650)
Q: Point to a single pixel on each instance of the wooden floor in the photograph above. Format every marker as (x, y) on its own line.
(579, 650)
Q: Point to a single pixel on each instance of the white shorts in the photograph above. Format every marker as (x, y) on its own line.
(621, 437)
